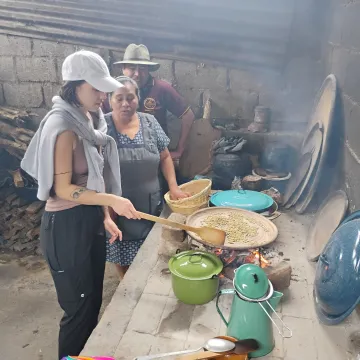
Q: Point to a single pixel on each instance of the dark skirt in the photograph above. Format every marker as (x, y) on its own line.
(123, 252)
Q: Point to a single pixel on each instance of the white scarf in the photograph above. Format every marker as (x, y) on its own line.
(38, 161)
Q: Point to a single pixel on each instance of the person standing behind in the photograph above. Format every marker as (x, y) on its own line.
(142, 147)
(156, 96)
(74, 160)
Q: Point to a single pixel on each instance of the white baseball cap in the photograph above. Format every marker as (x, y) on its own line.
(91, 67)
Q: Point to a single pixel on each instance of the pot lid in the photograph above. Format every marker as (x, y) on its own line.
(355, 215)
(296, 179)
(243, 199)
(195, 265)
(312, 145)
(337, 279)
(251, 282)
(323, 114)
(326, 221)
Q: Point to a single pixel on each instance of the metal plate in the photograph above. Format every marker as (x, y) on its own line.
(324, 115)
(312, 145)
(326, 221)
(267, 232)
(297, 179)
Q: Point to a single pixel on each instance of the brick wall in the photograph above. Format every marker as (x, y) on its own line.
(30, 75)
(30, 72)
(342, 57)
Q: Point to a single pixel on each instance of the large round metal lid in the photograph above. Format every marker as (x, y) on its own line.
(353, 216)
(297, 179)
(251, 282)
(195, 265)
(326, 221)
(323, 114)
(312, 144)
(243, 199)
(337, 280)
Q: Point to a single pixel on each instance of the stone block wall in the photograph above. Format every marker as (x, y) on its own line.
(30, 71)
(342, 58)
(235, 93)
(30, 75)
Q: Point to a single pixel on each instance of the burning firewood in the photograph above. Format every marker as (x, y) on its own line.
(255, 257)
(279, 273)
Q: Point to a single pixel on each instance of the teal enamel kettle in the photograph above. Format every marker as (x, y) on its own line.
(254, 302)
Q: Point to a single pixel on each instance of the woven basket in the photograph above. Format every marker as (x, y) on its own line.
(188, 210)
(200, 191)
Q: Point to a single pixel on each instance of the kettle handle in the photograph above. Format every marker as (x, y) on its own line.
(223, 292)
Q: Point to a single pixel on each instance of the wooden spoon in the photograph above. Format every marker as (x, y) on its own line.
(210, 235)
(242, 347)
(202, 355)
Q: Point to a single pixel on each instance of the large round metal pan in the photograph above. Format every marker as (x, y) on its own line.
(266, 233)
(326, 221)
(337, 281)
(297, 179)
(312, 145)
(324, 116)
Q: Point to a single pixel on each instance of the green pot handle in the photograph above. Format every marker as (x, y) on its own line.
(223, 292)
(195, 261)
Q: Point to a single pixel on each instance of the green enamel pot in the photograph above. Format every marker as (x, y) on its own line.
(195, 276)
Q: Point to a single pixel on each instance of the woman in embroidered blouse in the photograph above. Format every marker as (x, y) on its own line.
(142, 147)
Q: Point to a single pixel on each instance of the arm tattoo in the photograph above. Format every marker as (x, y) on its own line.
(62, 173)
(76, 193)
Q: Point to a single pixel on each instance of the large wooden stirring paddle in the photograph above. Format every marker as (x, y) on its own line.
(210, 235)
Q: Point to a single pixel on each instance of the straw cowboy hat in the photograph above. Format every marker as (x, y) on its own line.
(139, 55)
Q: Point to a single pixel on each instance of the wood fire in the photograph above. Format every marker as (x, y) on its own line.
(233, 258)
(227, 257)
(255, 257)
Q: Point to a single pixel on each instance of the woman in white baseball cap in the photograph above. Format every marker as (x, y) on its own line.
(76, 166)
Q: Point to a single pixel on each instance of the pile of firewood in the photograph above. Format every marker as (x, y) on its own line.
(15, 132)
(20, 218)
(20, 228)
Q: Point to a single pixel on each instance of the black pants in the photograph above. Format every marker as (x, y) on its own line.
(73, 243)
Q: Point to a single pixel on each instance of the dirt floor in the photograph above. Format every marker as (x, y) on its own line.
(29, 312)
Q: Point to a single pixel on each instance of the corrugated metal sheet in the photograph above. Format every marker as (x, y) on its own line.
(233, 32)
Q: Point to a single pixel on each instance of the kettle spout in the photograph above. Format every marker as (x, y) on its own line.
(275, 299)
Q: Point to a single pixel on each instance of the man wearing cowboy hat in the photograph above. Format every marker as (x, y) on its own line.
(156, 96)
